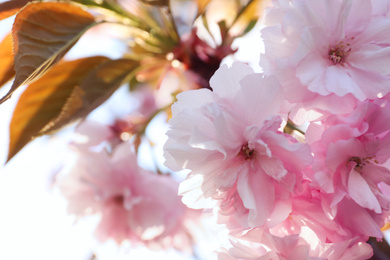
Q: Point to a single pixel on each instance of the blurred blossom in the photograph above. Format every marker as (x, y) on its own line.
(121, 127)
(133, 204)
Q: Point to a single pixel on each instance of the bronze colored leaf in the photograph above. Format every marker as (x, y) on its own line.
(156, 2)
(249, 15)
(44, 100)
(7, 71)
(202, 4)
(96, 88)
(43, 33)
(10, 8)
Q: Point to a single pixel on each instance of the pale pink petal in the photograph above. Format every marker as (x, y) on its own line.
(192, 99)
(294, 156)
(90, 133)
(253, 93)
(192, 193)
(325, 180)
(311, 72)
(379, 84)
(273, 167)
(341, 152)
(200, 141)
(372, 58)
(257, 194)
(359, 16)
(351, 215)
(339, 82)
(359, 251)
(361, 192)
(225, 81)
(376, 31)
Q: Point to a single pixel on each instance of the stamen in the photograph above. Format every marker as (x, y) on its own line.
(338, 53)
(361, 162)
(118, 199)
(246, 152)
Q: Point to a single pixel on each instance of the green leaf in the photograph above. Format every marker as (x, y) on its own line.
(250, 26)
(43, 33)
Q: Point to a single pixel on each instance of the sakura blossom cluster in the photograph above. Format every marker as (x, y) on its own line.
(133, 204)
(320, 195)
(328, 55)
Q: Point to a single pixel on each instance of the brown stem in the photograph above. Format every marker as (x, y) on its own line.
(381, 249)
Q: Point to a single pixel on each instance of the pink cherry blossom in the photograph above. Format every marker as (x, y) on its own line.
(257, 244)
(91, 134)
(229, 139)
(308, 232)
(328, 54)
(351, 165)
(133, 204)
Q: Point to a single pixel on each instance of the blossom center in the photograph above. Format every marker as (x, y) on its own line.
(246, 152)
(118, 199)
(338, 53)
(361, 162)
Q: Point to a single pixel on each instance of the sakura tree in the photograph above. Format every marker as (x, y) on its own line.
(290, 158)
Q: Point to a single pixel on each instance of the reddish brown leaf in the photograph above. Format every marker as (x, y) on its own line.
(7, 71)
(43, 33)
(10, 8)
(45, 99)
(96, 88)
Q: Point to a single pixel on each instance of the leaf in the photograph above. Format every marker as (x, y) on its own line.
(206, 25)
(156, 2)
(44, 100)
(75, 89)
(202, 4)
(96, 88)
(248, 16)
(10, 8)
(249, 26)
(7, 71)
(111, 6)
(43, 33)
(223, 29)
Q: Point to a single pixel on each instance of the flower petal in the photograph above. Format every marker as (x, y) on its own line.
(361, 192)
